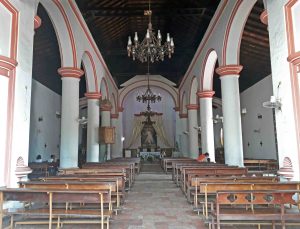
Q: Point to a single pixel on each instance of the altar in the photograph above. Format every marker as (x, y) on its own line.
(153, 155)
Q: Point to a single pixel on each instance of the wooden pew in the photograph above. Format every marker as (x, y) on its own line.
(188, 173)
(210, 189)
(167, 162)
(51, 197)
(261, 164)
(276, 212)
(111, 186)
(197, 181)
(135, 160)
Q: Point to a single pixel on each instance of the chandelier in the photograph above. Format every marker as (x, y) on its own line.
(148, 97)
(151, 47)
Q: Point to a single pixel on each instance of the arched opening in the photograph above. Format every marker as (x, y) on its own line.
(46, 91)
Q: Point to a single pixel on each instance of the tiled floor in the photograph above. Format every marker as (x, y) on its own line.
(155, 203)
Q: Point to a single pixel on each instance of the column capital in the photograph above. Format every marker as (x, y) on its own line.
(93, 95)
(205, 94)
(183, 115)
(231, 69)
(192, 107)
(294, 59)
(176, 109)
(121, 109)
(114, 116)
(105, 105)
(70, 72)
(6, 65)
(37, 22)
(264, 17)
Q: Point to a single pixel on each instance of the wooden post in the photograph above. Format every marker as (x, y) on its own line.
(1, 209)
(50, 209)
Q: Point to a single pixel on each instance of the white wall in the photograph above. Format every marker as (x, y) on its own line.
(44, 104)
(131, 107)
(256, 130)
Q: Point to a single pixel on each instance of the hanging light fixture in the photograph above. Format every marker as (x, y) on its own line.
(148, 97)
(151, 47)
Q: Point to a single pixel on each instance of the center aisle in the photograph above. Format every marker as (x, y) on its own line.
(156, 203)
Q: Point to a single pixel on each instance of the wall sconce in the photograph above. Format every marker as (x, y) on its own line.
(275, 102)
(57, 114)
(218, 119)
(185, 132)
(40, 119)
(197, 128)
(122, 138)
(244, 111)
(82, 121)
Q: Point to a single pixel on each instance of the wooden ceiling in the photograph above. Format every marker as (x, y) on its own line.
(112, 21)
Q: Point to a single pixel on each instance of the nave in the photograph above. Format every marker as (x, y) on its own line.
(156, 202)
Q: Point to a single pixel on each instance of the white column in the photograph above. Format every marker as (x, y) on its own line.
(117, 122)
(233, 144)
(178, 131)
(193, 131)
(115, 147)
(284, 36)
(69, 117)
(105, 108)
(6, 66)
(184, 141)
(92, 154)
(207, 126)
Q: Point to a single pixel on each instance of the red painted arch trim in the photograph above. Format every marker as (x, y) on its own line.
(183, 116)
(94, 69)
(103, 80)
(294, 58)
(7, 65)
(176, 109)
(204, 67)
(37, 22)
(70, 72)
(229, 70)
(114, 116)
(264, 17)
(205, 94)
(84, 27)
(228, 28)
(192, 107)
(69, 28)
(105, 107)
(202, 45)
(161, 87)
(121, 109)
(93, 95)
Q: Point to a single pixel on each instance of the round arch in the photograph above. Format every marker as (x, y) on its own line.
(143, 83)
(104, 88)
(207, 73)
(234, 32)
(193, 91)
(63, 32)
(90, 72)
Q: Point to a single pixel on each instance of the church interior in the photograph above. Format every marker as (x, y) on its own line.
(153, 114)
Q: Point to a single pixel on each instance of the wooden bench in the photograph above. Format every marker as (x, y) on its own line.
(167, 162)
(196, 182)
(111, 186)
(210, 189)
(188, 173)
(276, 200)
(50, 197)
(135, 160)
(261, 164)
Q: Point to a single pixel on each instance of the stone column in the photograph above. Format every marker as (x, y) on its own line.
(193, 130)
(69, 116)
(233, 144)
(184, 135)
(116, 146)
(105, 109)
(92, 154)
(6, 66)
(207, 126)
(120, 131)
(178, 132)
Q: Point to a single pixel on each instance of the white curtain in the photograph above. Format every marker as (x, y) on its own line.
(159, 128)
(137, 129)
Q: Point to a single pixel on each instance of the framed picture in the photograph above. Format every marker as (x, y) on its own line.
(148, 137)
